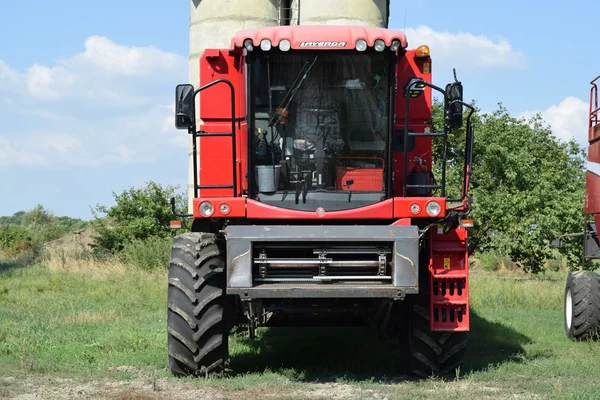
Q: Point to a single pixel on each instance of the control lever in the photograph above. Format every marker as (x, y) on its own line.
(349, 183)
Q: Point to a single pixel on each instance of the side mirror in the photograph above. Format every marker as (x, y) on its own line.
(185, 107)
(454, 106)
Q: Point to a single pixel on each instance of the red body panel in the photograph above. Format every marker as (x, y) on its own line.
(215, 153)
(402, 206)
(449, 281)
(302, 36)
(592, 193)
(383, 210)
(237, 207)
(420, 117)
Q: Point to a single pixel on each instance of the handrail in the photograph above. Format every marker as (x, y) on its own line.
(594, 107)
(406, 126)
(195, 136)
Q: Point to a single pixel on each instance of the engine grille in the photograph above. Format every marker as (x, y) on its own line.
(333, 262)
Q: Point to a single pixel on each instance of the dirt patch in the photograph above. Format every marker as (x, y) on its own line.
(76, 241)
(139, 388)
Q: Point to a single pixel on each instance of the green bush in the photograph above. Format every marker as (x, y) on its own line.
(491, 261)
(14, 240)
(138, 214)
(147, 254)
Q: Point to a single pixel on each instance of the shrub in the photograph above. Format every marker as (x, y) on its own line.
(14, 240)
(491, 261)
(139, 214)
(147, 254)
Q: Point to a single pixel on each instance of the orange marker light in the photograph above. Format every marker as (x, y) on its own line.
(423, 51)
(467, 223)
(175, 225)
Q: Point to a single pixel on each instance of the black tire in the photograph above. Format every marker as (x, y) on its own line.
(432, 353)
(582, 305)
(197, 302)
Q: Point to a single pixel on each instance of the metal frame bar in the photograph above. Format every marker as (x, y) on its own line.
(406, 135)
(594, 120)
(469, 140)
(198, 134)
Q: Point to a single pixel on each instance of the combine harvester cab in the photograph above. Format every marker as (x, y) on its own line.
(582, 293)
(318, 200)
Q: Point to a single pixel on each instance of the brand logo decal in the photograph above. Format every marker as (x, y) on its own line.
(323, 44)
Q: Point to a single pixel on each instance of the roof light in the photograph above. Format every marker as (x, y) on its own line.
(285, 45)
(248, 44)
(395, 45)
(422, 51)
(361, 45)
(265, 45)
(379, 45)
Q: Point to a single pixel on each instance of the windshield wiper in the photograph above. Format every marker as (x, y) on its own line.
(276, 118)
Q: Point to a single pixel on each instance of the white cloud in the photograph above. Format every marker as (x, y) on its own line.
(49, 83)
(465, 50)
(108, 104)
(568, 120)
(10, 155)
(124, 60)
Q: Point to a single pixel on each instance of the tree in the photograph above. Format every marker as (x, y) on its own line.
(138, 213)
(529, 186)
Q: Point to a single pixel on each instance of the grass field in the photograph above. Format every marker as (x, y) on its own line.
(103, 335)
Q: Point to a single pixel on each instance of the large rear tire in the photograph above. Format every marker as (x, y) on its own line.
(197, 302)
(432, 353)
(582, 305)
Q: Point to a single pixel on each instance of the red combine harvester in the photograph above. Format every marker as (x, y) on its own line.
(582, 294)
(316, 202)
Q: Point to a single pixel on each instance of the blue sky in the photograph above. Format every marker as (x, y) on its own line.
(86, 87)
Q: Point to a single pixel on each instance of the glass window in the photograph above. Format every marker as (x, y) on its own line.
(321, 128)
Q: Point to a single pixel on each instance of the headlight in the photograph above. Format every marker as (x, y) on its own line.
(395, 45)
(361, 45)
(206, 209)
(415, 208)
(248, 44)
(265, 45)
(433, 209)
(379, 45)
(224, 208)
(285, 45)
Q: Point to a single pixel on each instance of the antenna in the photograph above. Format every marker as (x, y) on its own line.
(405, 14)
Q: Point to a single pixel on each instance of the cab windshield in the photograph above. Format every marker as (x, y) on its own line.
(320, 128)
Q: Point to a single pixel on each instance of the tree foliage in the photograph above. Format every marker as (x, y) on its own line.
(27, 229)
(529, 186)
(138, 214)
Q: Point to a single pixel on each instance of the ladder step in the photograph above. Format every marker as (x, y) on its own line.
(434, 134)
(424, 186)
(216, 134)
(214, 187)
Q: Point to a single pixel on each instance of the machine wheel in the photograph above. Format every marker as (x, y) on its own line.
(582, 305)
(432, 353)
(197, 302)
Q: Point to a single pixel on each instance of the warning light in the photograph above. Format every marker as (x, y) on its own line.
(423, 51)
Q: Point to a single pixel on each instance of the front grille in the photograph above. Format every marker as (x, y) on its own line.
(337, 262)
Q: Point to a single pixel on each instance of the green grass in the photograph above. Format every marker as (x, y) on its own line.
(82, 327)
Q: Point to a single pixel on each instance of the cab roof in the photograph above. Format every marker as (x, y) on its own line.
(321, 37)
